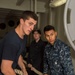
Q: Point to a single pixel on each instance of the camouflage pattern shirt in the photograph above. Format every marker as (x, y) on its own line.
(57, 58)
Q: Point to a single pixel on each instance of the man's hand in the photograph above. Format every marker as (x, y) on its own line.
(29, 65)
(25, 73)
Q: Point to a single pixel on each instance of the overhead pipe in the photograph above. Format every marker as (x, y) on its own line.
(35, 6)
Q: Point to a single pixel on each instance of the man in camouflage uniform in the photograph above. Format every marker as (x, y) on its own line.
(57, 56)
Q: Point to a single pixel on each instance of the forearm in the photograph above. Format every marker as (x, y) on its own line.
(8, 72)
(21, 64)
(6, 67)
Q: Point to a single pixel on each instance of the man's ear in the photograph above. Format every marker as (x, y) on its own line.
(56, 33)
(21, 21)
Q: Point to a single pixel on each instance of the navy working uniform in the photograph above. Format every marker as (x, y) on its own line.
(11, 47)
(57, 58)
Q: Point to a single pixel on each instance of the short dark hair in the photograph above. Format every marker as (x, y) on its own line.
(27, 14)
(48, 27)
(36, 30)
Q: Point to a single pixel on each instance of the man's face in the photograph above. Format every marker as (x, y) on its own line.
(28, 25)
(51, 36)
(36, 35)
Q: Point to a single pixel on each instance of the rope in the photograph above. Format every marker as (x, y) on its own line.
(19, 72)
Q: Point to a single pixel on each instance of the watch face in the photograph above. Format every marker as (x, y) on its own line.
(69, 21)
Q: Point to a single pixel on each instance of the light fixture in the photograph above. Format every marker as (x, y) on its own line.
(56, 3)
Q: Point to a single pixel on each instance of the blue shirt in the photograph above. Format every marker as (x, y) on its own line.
(11, 47)
(57, 58)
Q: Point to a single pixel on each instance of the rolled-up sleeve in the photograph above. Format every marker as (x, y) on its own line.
(67, 61)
